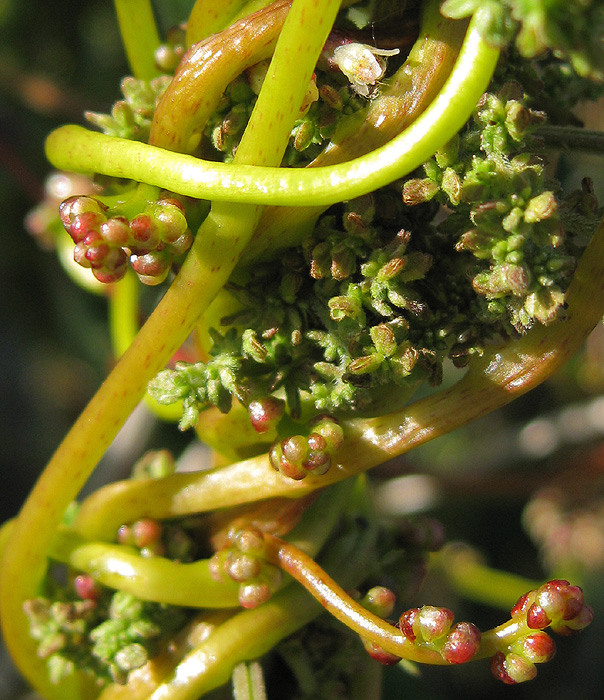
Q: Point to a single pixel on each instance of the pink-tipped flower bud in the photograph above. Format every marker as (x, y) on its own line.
(144, 234)
(578, 623)
(537, 647)
(181, 244)
(518, 668)
(250, 541)
(152, 268)
(146, 532)
(461, 643)
(242, 567)
(380, 655)
(318, 462)
(408, 623)
(499, 670)
(265, 413)
(433, 622)
(523, 604)
(380, 601)
(537, 618)
(86, 588)
(295, 448)
(116, 231)
(77, 205)
(251, 595)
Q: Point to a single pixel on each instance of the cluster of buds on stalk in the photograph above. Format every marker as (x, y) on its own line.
(243, 561)
(106, 242)
(300, 455)
(156, 539)
(555, 604)
(432, 627)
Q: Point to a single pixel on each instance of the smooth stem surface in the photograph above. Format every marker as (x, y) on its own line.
(139, 36)
(74, 148)
(215, 252)
(204, 73)
(342, 606)
(210, 17)
(123, 327)
(155, 579)
(492, 381)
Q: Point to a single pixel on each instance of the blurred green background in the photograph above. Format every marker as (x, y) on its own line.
(59, 58)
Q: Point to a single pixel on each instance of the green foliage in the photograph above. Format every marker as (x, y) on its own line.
(571, 30)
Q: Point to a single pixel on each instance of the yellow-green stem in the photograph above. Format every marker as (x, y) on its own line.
(139, 36)
(210, 17)
(74, 148)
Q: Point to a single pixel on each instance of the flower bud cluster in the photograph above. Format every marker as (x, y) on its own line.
(225, 127)
(563, 27)
(198, 385)
(506, 218)
(103, 634)
(243, 561)
(379, 601)
(567, 534)
(156, 539)
(265, 413)
(300, 455)
(555, 604)
(106, 243)
(131, 118)
(168, 55)
(432, 627)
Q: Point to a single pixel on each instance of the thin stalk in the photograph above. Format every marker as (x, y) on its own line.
(123, 327)
(342, 606)
(123, 313)
(139, 36)
(75, 148)
(492, 381)
(568, 138)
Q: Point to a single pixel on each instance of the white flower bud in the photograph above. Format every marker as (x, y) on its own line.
(362, 64)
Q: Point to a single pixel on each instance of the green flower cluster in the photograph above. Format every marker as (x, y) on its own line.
(506, 214)
(131, 117)
(105, 635)
(571, 29)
